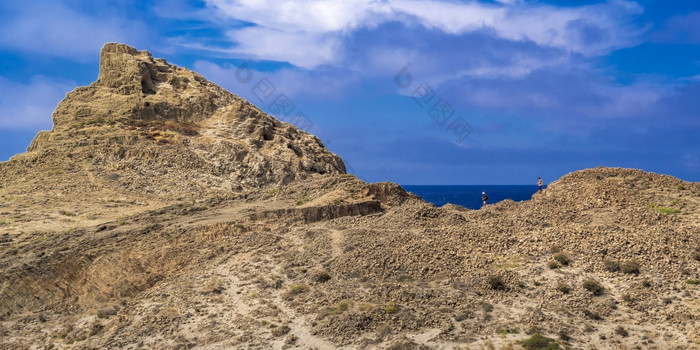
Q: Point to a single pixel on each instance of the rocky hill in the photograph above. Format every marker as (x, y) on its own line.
(147, 131)
(164, 212)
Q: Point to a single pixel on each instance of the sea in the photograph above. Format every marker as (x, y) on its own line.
(469, 196)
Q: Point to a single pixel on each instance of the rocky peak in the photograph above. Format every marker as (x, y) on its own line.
(126, 69)
(134, 87)
(143, 115)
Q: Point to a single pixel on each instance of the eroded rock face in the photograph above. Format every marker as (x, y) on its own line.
(144, 119)
(135, 87)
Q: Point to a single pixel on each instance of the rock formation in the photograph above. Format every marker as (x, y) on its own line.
(164, 212)
(144, 116)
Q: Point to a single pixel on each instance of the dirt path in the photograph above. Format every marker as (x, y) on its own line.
(337, 238)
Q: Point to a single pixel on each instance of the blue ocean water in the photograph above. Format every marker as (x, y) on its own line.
(469, 196)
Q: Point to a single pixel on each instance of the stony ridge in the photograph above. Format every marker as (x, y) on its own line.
(145, 118)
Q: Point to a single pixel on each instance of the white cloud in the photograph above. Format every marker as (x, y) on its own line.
(314, 16)
(310, 33)
(29, 106)
(55, 29)
(307, 51)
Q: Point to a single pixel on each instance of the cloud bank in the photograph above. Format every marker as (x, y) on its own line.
(311, 33)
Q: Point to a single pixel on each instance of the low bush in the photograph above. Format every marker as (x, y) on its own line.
(322, 277)
(496, 283)
(281, 330)
(292, 339)
(553, 265)
(538, 342)
(592, 315)
(611, 265)
(562, 258)
(667, 210)
(391, 308)
(621, 331)
(298, 289)
(593, 286)
(563, 288)
(630, 266)
(340, 308)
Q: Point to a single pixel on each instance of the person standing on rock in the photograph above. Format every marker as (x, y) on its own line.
(484, 197)
(539, 183)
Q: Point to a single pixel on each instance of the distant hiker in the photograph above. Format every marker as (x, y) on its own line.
(484, 197)
(539, 183)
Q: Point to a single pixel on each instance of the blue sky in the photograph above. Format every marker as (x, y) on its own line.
(415, 92)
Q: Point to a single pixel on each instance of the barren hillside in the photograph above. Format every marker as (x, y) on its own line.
(164, 212)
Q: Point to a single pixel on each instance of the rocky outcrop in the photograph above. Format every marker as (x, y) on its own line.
(144, 119)
(320, 213)
(134, 88)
